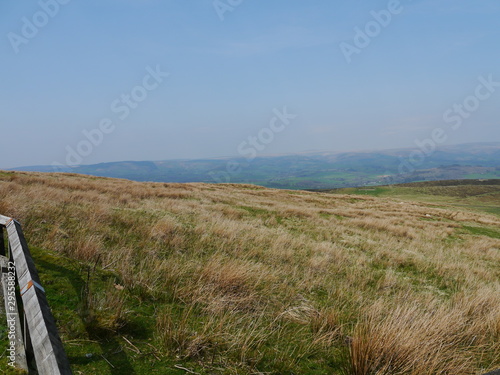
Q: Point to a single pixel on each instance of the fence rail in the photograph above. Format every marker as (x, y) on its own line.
(40, 331)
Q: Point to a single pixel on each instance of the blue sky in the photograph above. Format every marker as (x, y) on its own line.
(228, 76)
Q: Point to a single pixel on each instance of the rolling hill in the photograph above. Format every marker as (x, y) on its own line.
(155, 278)
(317, 170)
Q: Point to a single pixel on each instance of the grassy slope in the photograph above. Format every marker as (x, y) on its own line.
(239, 279)
(478, 195)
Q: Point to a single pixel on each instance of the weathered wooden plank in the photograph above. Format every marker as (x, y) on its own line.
(15, 334)
(48, 350)
(4, 220)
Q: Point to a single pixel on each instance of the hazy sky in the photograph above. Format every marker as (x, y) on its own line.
(357, 74)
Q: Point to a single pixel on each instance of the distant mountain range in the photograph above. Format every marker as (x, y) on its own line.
(313, 170)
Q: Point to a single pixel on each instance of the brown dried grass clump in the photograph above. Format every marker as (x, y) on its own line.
(410, 340)
(227, 284)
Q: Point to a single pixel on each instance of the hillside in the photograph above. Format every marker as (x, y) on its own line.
(479, 195)
(312, 170)
(154, 278)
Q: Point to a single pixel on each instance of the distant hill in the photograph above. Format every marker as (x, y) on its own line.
(313, 170)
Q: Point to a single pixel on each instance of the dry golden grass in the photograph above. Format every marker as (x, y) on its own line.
(410, 340)
(261, 278)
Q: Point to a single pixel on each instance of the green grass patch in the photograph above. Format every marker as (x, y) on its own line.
(95, 340)
(481, 231)
(373, 191)
(254, 211)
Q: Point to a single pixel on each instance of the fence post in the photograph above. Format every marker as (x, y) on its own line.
(48, 350)
(16, 351)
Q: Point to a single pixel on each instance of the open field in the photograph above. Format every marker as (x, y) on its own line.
(478, 195)
(153, 278)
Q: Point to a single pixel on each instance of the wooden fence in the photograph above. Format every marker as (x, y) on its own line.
(41, 339)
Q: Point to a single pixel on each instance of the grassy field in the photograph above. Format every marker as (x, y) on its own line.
(153, 278)
(479, 195)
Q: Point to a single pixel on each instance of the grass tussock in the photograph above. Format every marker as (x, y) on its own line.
(411, 340)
